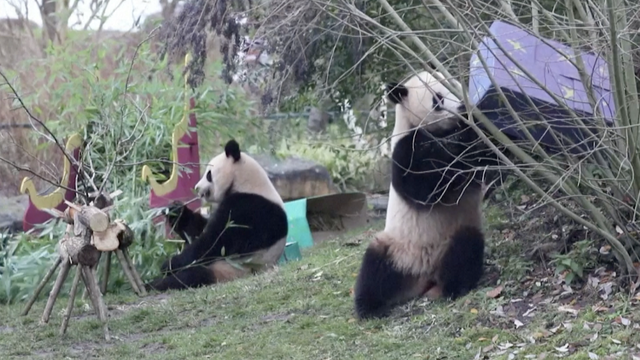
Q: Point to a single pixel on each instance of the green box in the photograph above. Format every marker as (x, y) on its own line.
(299, 230)
(291, 253)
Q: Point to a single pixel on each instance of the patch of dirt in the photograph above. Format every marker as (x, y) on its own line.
(208, 322)
(117, 310)
(491, 276)
(133, 337)
(154, 348)
(43, 354)
(543, 292)
(542, 230)
(87, 347)
(277, 317)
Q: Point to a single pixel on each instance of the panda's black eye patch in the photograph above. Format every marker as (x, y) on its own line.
(209, 179)
(438, 102)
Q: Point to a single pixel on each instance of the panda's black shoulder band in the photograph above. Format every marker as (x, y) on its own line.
(232, 149)
(396, 92)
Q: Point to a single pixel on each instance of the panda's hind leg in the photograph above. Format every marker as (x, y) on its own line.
(462, 264)
(380, 285)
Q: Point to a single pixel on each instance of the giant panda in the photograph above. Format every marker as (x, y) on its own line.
(432, 243)
(246, 233)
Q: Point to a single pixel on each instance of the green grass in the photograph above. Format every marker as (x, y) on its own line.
(304, 310)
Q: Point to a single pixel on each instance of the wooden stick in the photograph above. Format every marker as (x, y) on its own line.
(54, 212)
(85, 290)
(102, 200)
(53, 295)
(96, 298)
(108, 208)
(134, 272)
(127, 271)
(72, 205)
(83, 297)
(105, 276)
(72, 299)
(43, 282)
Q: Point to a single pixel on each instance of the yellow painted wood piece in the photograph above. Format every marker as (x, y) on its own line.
(179, 130)
(54, 198)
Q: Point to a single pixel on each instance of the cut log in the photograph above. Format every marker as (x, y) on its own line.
(78, 250)
(69, 214)
(117, 236)
(92, 218)
(107, 240)
(125, 237)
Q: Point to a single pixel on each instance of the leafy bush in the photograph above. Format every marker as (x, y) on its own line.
(576, 262)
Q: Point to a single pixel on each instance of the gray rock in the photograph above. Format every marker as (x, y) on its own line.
(11, 213)
(381, 176)
(318, 120)
(377, 206)
(297, 178)
(378, 202)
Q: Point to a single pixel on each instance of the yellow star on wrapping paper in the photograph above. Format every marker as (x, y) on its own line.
(517, 46)
(567, 92)
(516, 72)
(564, 55)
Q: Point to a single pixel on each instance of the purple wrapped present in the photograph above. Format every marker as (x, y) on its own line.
(544, 60)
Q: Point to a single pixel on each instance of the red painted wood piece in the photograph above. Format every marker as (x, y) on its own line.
(188, 158)
(34, 216)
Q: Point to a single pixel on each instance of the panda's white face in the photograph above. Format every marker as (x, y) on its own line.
(231, 172)
(427, 102)
(217, 179)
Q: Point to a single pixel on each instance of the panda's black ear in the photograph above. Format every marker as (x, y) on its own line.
(396, 92)
(232, 149)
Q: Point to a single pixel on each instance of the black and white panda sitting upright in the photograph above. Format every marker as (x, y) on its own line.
(432, 243)
(249, 227)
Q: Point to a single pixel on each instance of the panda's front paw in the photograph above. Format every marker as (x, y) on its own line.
(174, 211)
(167, 267)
